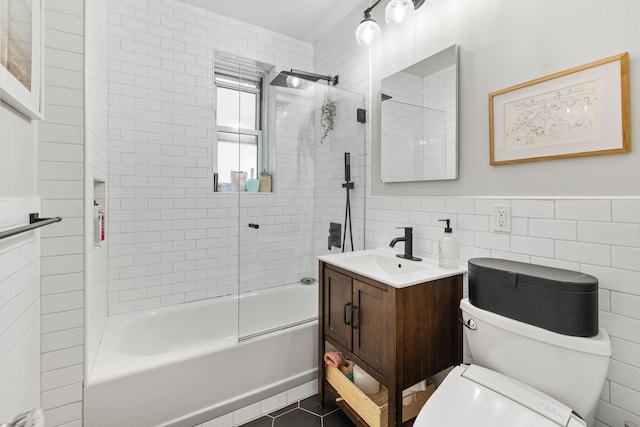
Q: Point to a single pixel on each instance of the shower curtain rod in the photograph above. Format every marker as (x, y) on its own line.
(34, 222)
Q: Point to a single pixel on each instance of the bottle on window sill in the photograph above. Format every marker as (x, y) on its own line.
(238, 181)
(253, 184)
(265, 182)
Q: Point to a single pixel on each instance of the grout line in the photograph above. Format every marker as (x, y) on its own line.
(292, 409)
(310, 412)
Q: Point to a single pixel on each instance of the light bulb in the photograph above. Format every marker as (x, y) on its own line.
(398, 11)
(367, 32)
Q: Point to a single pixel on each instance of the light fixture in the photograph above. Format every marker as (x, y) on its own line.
(368, 31)
(396, 13)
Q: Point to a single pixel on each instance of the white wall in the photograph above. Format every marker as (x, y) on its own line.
(338, 54)
(504, 43)
(61, 187)
(96, 173)
(17, 154)
(19, 267)
(19, 310)
(329, 202)
(46, 158)
(171, 239)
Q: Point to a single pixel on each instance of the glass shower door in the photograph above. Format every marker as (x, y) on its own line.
(279, 229)
(276, 226)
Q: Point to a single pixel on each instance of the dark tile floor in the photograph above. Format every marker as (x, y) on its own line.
(304, 414)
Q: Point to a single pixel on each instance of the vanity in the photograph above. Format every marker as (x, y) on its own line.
(396, 319)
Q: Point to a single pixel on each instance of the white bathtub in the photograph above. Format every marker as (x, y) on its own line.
(183, 365)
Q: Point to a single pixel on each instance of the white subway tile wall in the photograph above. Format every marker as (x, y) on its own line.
(19, 311)
(96, 174)
(264, 407)
(338, 54)
(171, 239)
(61, 187)
(329, 203)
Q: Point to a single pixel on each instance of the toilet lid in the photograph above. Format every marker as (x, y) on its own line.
(476, 396)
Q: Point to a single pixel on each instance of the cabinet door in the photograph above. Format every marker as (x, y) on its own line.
(371, 324)
(338, 313)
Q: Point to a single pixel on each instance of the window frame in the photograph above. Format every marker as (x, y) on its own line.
(224, 77)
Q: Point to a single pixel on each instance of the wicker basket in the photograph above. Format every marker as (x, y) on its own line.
(373, 408)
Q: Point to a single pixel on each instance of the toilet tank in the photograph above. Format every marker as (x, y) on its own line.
(540, 327)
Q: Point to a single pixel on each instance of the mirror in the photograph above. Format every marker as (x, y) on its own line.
(419, 120)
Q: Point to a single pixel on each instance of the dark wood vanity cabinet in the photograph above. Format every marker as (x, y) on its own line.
(400, 336)
(354, 316)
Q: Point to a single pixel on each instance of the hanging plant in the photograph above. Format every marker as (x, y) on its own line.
(327, 114)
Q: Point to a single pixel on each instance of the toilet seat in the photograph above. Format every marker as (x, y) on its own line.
(475, 396)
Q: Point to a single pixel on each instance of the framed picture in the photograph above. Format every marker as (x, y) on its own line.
(583, 111)
(21, 56)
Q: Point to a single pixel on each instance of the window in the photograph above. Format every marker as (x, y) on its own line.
(239, 123)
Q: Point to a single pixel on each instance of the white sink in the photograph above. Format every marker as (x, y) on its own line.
(383, 265)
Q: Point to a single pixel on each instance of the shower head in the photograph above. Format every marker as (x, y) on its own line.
(294, 78)
(386, 97)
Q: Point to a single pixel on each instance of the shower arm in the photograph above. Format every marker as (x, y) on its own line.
(330, 79)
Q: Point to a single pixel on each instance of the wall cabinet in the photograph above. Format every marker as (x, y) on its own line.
(400, 336)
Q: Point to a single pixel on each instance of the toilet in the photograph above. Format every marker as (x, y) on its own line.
(524, 373)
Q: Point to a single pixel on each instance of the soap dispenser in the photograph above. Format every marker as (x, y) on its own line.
(253, 184)
(448, 248)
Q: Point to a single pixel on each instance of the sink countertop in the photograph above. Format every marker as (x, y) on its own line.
(381, 264)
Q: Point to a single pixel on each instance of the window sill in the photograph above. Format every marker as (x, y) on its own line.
(248, 193)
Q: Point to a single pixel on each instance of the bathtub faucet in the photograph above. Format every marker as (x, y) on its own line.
(408, 244)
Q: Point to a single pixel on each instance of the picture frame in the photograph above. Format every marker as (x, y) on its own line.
(21, 56)
(582, 111)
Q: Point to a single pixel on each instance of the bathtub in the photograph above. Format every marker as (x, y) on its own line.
(184, 365)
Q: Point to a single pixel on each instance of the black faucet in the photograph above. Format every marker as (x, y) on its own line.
(408, 244)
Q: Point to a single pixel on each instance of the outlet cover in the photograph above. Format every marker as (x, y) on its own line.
(501, 221)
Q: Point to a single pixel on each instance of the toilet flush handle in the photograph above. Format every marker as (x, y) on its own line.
(469, 324)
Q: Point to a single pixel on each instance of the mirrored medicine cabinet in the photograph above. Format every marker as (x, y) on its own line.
(419, 126)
